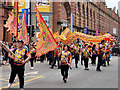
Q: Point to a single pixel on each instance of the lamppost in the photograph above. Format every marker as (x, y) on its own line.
(30, 25)
(99, 16)
(87, 14)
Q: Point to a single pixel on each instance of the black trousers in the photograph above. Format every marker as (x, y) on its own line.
(93, 59)
(42, 58)
(51, 60)
(64, 71)
(54, 61)
(17, 70)
(108, 59)
(76, 59)
(82, 59)
(86, 62)
(31, 61)
(100, 61)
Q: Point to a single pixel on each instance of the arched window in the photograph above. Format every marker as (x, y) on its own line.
(83, 9)
(90, 13)
(94, 15)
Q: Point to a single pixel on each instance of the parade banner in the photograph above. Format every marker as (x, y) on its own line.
(23, 34)
(64, 35)
(26, 14)
(14, 27)
(46, 41)
(57, 37)
(12, 22)
(9, 21)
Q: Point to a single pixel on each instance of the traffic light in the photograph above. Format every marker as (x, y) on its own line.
(33, 31)
(28, 28)
(30, 31)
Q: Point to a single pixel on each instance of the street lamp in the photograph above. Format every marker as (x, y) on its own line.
(87, 14)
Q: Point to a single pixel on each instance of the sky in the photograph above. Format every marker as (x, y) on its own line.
(112, 3)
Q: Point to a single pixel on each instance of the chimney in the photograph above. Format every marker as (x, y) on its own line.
(114, 9)
(117, 12)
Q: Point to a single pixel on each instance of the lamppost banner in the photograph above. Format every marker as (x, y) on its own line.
(85, 30)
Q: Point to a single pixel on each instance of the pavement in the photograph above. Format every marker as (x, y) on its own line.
(44, 77)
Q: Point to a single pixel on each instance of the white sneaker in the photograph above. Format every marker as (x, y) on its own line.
(9, 85)
(31, 68)
(21, 88)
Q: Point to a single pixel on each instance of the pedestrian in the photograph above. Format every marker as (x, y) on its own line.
(104, 56)
(13, 49)
(108, 55)
(6, 53)
(51, 54)
(81, 53)
(90, 51)
(100, 55)
(20, 58)
(33, 53)
(94, 55)
(56, 58)
(86, 56)
(66, 59)
(77, 52)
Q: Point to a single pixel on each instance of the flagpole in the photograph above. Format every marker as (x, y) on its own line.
(17, 19)
(16, 1)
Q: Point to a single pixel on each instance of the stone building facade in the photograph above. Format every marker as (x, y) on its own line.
(93, 15)
(5, 8)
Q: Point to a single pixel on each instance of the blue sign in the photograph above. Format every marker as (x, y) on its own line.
(26, 14)
(46, 19)
(19, 23)
(85, 30)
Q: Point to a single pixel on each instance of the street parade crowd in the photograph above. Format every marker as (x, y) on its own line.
(61, 57)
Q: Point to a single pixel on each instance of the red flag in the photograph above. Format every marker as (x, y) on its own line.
(15, 22)
(23, 34)
(46, 41)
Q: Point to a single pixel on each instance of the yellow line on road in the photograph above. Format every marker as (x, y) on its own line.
(24, 81)
(4, 80)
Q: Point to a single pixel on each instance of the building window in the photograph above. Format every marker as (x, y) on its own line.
(78, 7)
(94, 15)
(90, 13)
(83, 9)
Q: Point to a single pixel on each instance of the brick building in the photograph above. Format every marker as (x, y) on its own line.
(5, 8)
(93, 15)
